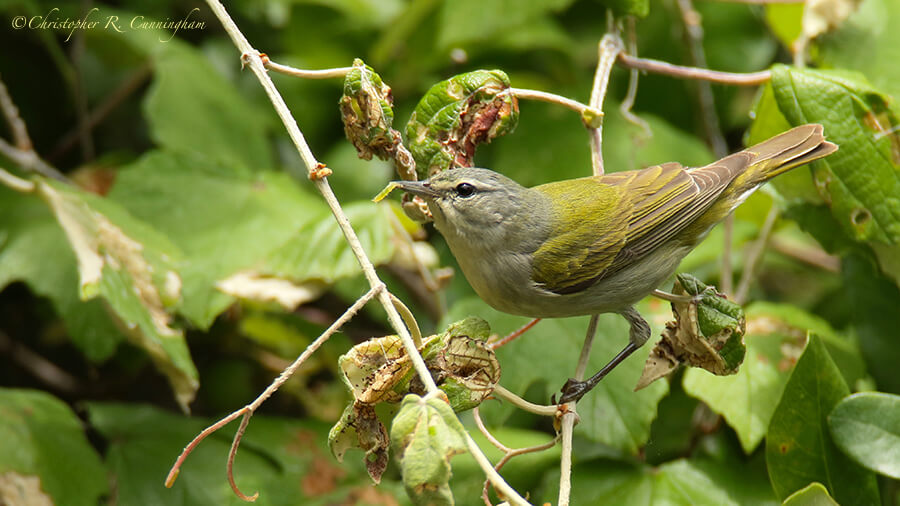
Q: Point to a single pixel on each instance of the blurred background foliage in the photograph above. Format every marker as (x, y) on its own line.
(171, 145)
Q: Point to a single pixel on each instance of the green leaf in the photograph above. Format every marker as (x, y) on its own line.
(261, 226)
(30, 235)
(456, 115)
(425, 435)
(866, 426)
(639, 8)
(799, 449)
(44, 452)
(776, 335)
(873, 303)
(678, 482)
(191, 108)
(861, 182)
(813, 495)
(546, 355)
(132, 267)
(286, 460)
(466, 22)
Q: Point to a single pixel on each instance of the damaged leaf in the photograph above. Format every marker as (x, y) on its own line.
(425, 435)
(380, 371)
(707, 333)
(458, 114)
(368, 116)
(132, 267)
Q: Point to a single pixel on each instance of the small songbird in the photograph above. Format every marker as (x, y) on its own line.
(596, 244)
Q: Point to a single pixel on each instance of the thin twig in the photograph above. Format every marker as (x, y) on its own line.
(276, 384)
(109, 104)
(306, 74)
(16, 183)
(570, 416)
(584, 110)
(508, 453)
(811, 255)
(30, 161)
(14, 120)
(522, 404)
(41, 368)
(610, 46)
(682, 72)
(754, 254)
(633, 74)
(515, 334)
(232, 453)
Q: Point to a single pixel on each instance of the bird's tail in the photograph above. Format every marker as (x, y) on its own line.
(757, 164)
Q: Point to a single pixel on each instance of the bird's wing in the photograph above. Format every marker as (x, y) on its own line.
(640, 211)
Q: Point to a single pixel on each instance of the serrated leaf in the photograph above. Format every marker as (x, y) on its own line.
(866, 426)
(815, 494)
(612, 413)
(776, 336)
(799, 448)
(425, 434)
(861, 182)
(42, 443)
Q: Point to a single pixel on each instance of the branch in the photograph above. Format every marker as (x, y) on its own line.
(275, 385)
(509, 453)
(682, 72)
(23, 153)
(609, 48)
(317, 172)
(570, 417)
(628, 101)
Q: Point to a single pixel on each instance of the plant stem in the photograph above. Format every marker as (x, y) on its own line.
(682, 72)
(306, 74)
(609, 48)
(570, 417)
(553, 98)
(522, 404)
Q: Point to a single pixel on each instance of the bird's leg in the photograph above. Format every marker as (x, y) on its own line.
(638, 334)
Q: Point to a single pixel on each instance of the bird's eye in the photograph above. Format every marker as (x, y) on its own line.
(465, 190)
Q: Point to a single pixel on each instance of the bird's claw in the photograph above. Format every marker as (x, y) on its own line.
(572, 391)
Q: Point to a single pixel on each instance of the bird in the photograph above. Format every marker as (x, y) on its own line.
(596, 244)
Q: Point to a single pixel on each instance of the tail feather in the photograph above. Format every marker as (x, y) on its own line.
(786, 151)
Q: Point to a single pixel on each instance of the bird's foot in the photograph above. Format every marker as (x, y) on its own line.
(573, 391)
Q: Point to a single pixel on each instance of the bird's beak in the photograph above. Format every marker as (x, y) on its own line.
(420, 188)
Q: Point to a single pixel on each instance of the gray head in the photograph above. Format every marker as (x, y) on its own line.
(476, 205)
